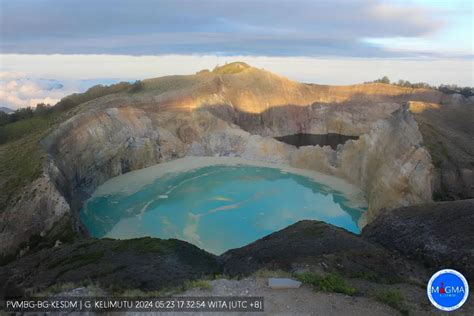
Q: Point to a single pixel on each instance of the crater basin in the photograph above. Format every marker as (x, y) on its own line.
(218, 206)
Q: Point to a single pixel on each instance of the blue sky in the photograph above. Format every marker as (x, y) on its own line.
(39, 40)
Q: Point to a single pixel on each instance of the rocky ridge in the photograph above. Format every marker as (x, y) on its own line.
(438, 234)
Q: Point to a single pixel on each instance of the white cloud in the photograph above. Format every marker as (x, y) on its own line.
(21, 92)
(5, 75)
(46, 100)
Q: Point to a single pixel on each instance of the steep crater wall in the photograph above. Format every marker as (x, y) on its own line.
(387, 162)
(225, 115)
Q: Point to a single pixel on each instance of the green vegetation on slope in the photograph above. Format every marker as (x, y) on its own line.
(147, 245)
(78, 260)
(231, 68)
(27, 127)
(169, 83)
(70, 101)
(448, 89)
(197, 284)
(394, 299)
(332, 282)
(95, 92)
(21, 156)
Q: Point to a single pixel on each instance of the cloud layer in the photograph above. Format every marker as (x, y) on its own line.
(22, 83)
(265, 27)
(19, 90)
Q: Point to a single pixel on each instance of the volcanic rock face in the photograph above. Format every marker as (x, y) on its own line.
(448, 131)
(317, 244)
(439, 234)
(388, 163)
(234, 115)
(35, 215)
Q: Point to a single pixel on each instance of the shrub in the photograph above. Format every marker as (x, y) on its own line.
(197, 284)
(393, 298)
(332, 282)
(137, 86)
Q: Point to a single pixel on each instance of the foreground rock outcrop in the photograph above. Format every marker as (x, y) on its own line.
(441, 235)
(145, 263)
(317, 245)
(131, 267)
(152, 264)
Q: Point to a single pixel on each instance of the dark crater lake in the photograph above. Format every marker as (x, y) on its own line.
(330, 139)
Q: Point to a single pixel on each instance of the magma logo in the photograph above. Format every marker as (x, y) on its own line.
(447, 290)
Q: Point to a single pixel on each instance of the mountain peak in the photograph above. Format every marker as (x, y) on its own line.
(231, 68)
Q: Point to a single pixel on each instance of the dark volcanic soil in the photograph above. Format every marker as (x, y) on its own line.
(144, 263)
(153, 264)
(441, 235)
(317, 244)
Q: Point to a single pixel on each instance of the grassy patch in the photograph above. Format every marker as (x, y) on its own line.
(21, 154)
(197, 284)
(147, 245)
(225, 276)
(370, 276)
(87, 243)
(393, 298)
(332, 282)
(81, 259)
(315, 230)
(104, 270)
(57, 288)
(231, 68)
(32, 125)
(204, 71)
(22, 162)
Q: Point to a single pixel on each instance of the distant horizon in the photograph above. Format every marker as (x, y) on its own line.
(55, 76)
(74, 46)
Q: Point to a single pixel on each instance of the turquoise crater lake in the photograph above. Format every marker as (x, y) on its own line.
(216, 207)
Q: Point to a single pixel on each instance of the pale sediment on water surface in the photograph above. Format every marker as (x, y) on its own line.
(133, 181)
